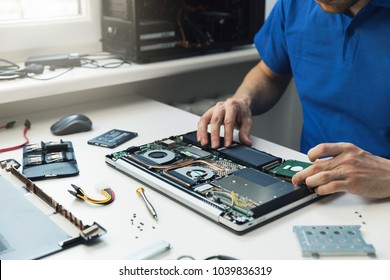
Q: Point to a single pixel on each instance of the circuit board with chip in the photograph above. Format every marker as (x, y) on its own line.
(242, 182)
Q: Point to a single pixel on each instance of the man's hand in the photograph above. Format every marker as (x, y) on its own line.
(259, 91)
(229, 113)
(343, 167)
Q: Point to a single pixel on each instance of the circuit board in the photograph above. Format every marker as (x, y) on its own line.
(237, 180)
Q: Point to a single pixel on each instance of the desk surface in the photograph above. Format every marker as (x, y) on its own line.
(187, 232)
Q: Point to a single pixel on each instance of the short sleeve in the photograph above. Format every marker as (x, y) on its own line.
(270, 41)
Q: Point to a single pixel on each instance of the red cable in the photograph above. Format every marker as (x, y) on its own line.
(27, 126)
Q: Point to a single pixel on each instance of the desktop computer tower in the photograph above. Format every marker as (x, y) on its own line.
(146, 31)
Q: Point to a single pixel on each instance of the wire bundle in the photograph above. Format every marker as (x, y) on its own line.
(10, 70)
(27, 125)
(107, 192)
(95, 61)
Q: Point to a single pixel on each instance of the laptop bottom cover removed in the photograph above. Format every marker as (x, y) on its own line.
(32, 224)
(239, 187)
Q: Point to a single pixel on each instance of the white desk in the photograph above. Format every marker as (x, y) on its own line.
(188, 233)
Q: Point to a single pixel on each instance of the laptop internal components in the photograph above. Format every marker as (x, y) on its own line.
(288, 169)
(235, 185)
(250, 157)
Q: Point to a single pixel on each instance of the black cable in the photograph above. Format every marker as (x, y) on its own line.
(10, 67)
(50, 78)
(11, 75)
(88, 62)
(185, 258)
(220, 257)
(12, 71)
(216, 257)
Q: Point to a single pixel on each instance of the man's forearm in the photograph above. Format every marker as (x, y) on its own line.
(261, 88)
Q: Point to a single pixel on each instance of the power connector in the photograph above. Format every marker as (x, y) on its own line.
(34, 68)
(56, 61)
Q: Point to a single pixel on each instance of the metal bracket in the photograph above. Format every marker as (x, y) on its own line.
(345, 240)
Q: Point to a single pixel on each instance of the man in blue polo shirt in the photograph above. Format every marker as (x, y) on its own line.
(338, 52)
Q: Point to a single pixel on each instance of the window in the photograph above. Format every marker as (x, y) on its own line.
(20, 10)
(44, 27)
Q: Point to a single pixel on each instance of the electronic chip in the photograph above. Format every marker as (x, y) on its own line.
(170, 144)
(250, 157)
(288, 169)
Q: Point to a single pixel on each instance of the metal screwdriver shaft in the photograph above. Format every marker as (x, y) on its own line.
(141, 193)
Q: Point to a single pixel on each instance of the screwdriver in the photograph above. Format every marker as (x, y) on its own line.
(141, 192)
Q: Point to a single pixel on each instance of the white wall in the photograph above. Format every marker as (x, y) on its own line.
(283, 123)
(80, 35)
(268, 6)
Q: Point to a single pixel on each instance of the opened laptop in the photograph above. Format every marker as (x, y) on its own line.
(239, 187)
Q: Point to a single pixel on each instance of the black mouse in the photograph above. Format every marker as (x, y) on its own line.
(71, 124)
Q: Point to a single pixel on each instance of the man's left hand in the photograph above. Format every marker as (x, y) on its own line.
(344, 167)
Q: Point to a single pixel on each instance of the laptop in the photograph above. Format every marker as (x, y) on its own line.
(239, 188)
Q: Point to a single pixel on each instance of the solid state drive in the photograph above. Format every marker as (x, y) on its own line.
(113, 138)
(288, 169)
(249, 156)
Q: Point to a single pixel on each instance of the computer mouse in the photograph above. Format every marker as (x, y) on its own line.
(71, 124)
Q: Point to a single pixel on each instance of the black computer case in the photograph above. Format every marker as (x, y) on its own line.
(154, 30)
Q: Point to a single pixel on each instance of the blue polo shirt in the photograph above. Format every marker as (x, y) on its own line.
(341, 66)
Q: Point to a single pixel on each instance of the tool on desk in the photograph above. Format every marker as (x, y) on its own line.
(151, 251)
(141, 193)
(80, 193)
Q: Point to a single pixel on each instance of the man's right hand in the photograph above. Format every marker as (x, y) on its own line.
(259, 91)
(229, 114)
